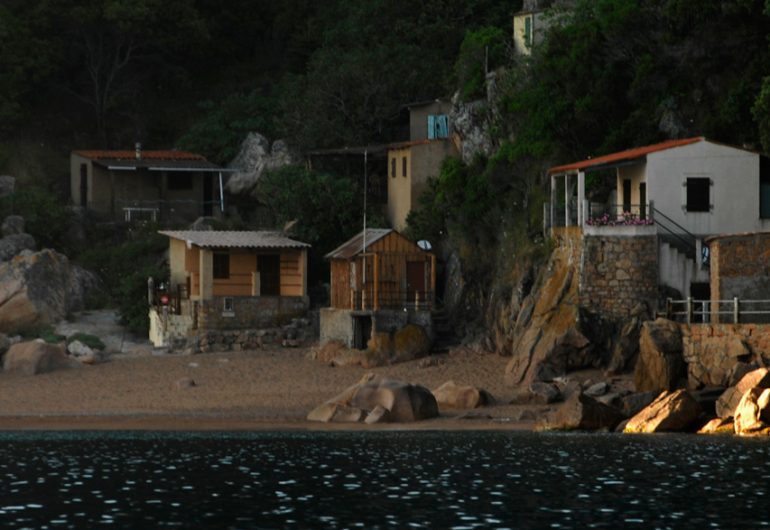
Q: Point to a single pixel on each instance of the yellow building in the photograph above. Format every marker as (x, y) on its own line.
(229, 280)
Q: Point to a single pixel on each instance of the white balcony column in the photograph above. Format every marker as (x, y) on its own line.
(553, 198)
(566, 200)
(581, 191)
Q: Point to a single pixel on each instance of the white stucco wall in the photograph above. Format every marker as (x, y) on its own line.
(734, 193)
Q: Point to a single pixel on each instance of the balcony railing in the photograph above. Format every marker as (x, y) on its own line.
(735, 311)
(408, 300)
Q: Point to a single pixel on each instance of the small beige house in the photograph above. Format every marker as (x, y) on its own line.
(412, 163)
(165, 186)
(229, 280)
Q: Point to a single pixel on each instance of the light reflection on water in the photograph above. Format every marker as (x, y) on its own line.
(381, 480)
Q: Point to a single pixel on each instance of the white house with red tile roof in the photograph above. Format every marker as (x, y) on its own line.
(687, 189)
(166, 186)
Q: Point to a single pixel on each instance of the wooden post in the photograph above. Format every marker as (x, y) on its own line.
(736, 313)
(376, 301)
(689, 309)
(352, 298)
(669, 308)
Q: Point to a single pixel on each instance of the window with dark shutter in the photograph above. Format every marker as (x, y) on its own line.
(221, 265)
(393, 167)
(764, 187)
(403, 166)
(698, 194)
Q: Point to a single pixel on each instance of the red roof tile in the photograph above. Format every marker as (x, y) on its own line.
(629, 154)
(146, 155)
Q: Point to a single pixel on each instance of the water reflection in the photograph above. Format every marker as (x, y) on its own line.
(381, 480)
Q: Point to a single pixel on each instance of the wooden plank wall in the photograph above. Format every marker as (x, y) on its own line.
(291, 273)
(242, 265)
(340, 284)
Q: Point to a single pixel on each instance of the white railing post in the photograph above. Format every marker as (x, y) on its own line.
(689, 309)
(736, 313)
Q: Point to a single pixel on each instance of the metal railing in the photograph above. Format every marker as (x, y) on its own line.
(411, 300)
(735, 311)
(678, 235)
(619, 214)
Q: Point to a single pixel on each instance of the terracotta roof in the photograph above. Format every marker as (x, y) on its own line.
(354, 245)
(146, 155)
(623, 156)
(234, 239)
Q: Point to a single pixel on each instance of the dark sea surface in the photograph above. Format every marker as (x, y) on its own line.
(382, 480)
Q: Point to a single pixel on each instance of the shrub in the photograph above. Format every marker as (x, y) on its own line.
(92, 341)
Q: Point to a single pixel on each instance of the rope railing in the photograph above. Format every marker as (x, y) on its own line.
(735, 310)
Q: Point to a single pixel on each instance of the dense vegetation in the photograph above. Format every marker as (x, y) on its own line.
(199, 74)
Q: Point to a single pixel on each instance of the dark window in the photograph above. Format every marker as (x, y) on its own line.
(403, 166)
(643, 200)
(626, 195)
(83, 185)
(764, 187)
(528, 32)
(180, 181)
(393, 167)
(221, 265)
(698, 194)
(269, 275)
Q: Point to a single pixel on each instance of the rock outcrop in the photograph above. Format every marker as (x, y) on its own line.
(730, 398)
(40, 288)
(660, 365)
(452, 395)
(670, 412)
(404, 402)
(718, 426)
(752, 416)
(36, 357)
(254, 158)
(582, 412)
(549, 337)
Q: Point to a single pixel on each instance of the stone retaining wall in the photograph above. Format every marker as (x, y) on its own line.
(250, 312)
(714, 351)
(618, 272)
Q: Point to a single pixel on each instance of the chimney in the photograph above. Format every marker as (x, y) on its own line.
(138, 151)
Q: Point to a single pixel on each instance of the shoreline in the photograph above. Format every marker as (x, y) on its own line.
(198, 423)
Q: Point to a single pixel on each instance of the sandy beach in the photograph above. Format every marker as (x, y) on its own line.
(265, 389)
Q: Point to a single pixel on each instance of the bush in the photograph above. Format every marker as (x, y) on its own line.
(46, 217)
(92, 341)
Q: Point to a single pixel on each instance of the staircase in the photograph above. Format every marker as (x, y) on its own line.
(678, 255)
(444, 334)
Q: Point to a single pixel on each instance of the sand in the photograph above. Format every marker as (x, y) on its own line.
(269, 388)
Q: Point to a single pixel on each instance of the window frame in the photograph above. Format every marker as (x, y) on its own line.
(403, 166)
(696, 195)
(220, 265)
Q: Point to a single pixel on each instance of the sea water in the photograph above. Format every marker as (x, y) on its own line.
(392, 479)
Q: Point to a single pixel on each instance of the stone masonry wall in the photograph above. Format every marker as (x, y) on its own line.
(740, 267)
(715, 352)
(617, 272)
(249, 312)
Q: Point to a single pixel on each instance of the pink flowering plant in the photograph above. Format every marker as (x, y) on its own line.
(624, 219)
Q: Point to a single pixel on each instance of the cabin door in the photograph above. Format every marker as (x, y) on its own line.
(269, 266)
(415, 280)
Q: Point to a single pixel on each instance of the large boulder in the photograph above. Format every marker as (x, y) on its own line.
(7, 185)
(582, 412)
(660, 365)
(670, 412)
(730, 398)
(36, 357)
(452, 395)
(13, 224)
(626, 347)
(409, 343)
(403, 401)
(14, 244)
(254, 158)
(713, 360)
(752, 416)
(40, 288)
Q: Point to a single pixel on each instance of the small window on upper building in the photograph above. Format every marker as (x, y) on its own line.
(221, 265)
(393, 167)
(528, 31)
(438, 126)
(698, 195)
(403, 166)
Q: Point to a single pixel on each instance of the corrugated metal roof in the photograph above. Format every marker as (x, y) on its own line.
(234, 239)
(153, 160)
(623, 156)
(354, 245)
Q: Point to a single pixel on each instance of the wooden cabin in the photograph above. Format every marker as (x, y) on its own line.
(381, 269)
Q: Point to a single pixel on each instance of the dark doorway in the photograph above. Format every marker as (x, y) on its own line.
(269, 267)
(701, 294)
(208, 194)
(362, 331)
(626, 195)
(415, 280)
(643, 200)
